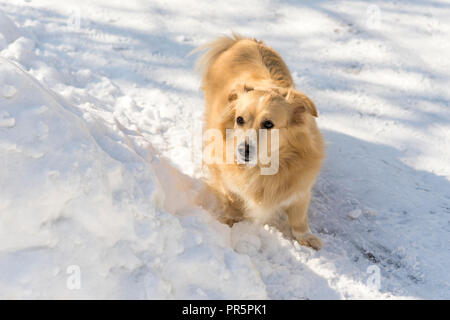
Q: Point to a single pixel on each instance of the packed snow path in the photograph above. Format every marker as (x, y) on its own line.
(100, 114)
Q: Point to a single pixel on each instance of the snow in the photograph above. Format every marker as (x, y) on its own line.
(354, 214)
(100, 131)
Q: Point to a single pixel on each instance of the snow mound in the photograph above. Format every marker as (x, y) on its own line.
(8, 30)
(75, 194)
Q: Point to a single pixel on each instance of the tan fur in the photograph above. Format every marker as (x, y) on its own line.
(245, 77)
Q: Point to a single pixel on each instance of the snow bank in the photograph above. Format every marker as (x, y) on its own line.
(9, 31)
(73, 193)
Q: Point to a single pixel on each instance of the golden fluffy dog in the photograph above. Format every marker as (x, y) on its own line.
(246, 86)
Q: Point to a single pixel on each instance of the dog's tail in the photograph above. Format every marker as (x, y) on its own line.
(213, 50)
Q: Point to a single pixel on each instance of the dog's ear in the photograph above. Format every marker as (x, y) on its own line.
(301, 104)
(284, 92)
(238, 90)
(227, 117)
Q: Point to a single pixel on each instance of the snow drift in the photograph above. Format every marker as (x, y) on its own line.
(75, 194)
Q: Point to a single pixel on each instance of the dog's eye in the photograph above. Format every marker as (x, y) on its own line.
(267, 124)
(240, 120)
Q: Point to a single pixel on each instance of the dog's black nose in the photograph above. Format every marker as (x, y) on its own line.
(244, 150)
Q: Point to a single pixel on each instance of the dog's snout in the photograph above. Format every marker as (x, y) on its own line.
(245, 149)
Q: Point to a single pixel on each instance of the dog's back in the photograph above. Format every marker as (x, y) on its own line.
(229, 61)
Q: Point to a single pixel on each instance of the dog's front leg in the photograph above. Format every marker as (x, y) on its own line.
(298, 219)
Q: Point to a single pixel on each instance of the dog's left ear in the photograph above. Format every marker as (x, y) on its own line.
(301, 104)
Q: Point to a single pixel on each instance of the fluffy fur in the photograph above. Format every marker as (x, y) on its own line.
(245, 78)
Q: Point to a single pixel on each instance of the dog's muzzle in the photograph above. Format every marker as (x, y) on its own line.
(246, 151)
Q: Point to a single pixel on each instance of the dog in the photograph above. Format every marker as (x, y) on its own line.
(248, 86)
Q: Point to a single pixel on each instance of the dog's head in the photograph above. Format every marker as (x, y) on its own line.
(253, 113)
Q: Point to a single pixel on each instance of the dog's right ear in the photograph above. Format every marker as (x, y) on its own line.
(227, 116)
(239, 89)
(232, 96)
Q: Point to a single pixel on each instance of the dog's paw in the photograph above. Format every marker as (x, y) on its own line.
(230, 221)
(307, 239)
